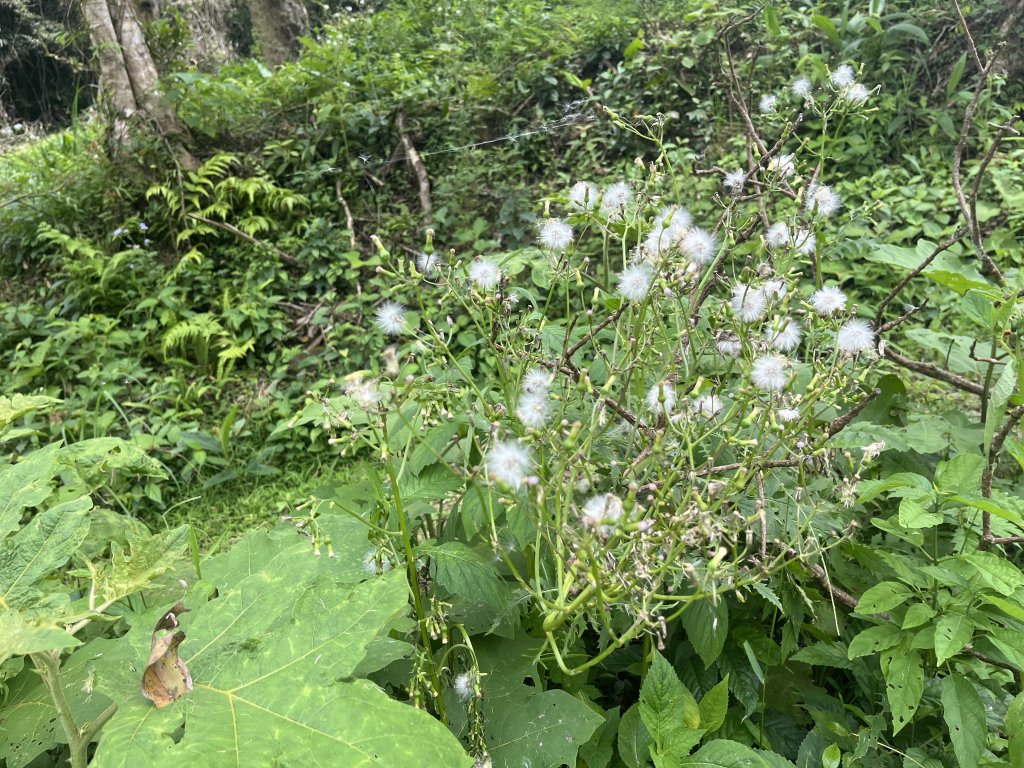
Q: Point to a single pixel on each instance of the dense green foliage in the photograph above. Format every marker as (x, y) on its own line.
(579, 477)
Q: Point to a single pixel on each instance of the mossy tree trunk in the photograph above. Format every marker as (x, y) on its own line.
(277, 26)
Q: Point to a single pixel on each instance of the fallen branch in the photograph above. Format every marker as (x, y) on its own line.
(287, 258)
(413, 158)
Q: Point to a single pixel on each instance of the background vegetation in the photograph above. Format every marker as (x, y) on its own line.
(181, 346)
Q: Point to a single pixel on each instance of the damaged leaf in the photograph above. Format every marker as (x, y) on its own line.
(166, 677)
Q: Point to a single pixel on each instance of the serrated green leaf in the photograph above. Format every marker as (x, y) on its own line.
(634, 742)
(147, 558)
(952, 633)
(915, 514)
(1014, 727)
(707, 625)
(20, 636)
(466, 573)
(25, 484)
(873, 640)
(831, 757)
(524, 724)
(903, 671)
(430, 447)
(432, 484)
(883, 597)
(997, 572)
(599, 751)
(40, 547)
(961, 474)
(964, 714)
(265, 659)
(714, 705)
(665, 703)
(722, 753)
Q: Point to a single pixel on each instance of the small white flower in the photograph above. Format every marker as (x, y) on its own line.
(828, 301)
(855, 336)
(842, 76)
(699, 245)
(583, 196)
(390, 318)
(777, 235)
(785, 335)
(805, 242)
(822, 199)
(707, 405)
(767, 103)
(463, 686)
(788, 414)
(615, 200)
(783, 165)
(656, 392)
(801, 87)
(770, 372)
(485, 274)
(555, 234)
(635, 281)
(856, 94)
(533, 409)
(537, 381)
(748, 303)
(508, 462)
(604, 511)
(428, 263)
(734, 181)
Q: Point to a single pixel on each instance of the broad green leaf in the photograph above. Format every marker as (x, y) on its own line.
(824, 655)
(1015, 448)
(903, 671)
(148, 557)
(599, 751)
(634, 742)
(961, 474)
(995, 571)
(677, 746)
(916, 514)
(466, 573)
(1010, 643)
(883, 597)
(990, 506)
(42, 546)
(874, 639)
(917, 614)
(952, 633)
(432, 484)
(25, 484)
(20, 636)
(266, 659)
(964, 714)
(524, 724)
(726, 754)
(431, 446)
(13, 408)
(28, 719)
(1014, 727)
(665, 703)
(1010, 608)
(831, 757)
(707, 625)
(714, 706)
(1004, 387)
(913, 30)
(869, 489)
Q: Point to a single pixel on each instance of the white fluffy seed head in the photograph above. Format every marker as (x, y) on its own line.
(662, 389)
(635, 281)
(822, 200)
(390, 318)
(828, 301)
(855, 336)
(615, 200)
(777, 235)
(428, 263)
(699, 245)
(801, 87)
(583, 196)
(748, 303)
(734, 181)
(783, 165)
(788, 414)
(784, 334)
(463, 686)
(533, 409)
(508, 462)
(856, 94)
(603, 511)
(485, 274)
(770, 372)
(842, 76)
(555, 234)
(767, 103)
(707, 405)
(537, 380)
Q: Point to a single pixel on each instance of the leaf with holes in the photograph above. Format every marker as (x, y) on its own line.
(952, 633)
(904, 682)
(964, 714)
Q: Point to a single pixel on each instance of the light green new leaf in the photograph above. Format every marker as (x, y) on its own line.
(147, 558)
(265, 659)
(722, 753)
(964, 714)
(995, 571)
(883, 597)
(714, 706)
(20, 636)
(707, 626)
(952, 633)
(13, 408)
(40, 547)
(918, 614)
(915, 514)
(25, 484)
(904, 683)
(466, 573)
(665, 703)
(523, 724)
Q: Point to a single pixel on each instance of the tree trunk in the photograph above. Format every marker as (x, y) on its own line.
(208, 22)
(128, 76)
(277, 26)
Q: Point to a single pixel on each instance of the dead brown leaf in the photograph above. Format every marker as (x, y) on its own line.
(166, 677)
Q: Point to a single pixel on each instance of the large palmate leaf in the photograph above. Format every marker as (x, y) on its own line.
(148, 557)
(21, 635)
(25, 484)
(273, 660)
(524, 725)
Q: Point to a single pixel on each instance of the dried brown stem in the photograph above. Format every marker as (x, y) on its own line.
(350, 224)
(934, 372)
(945, 245)
(413, 158)
(287, 258)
